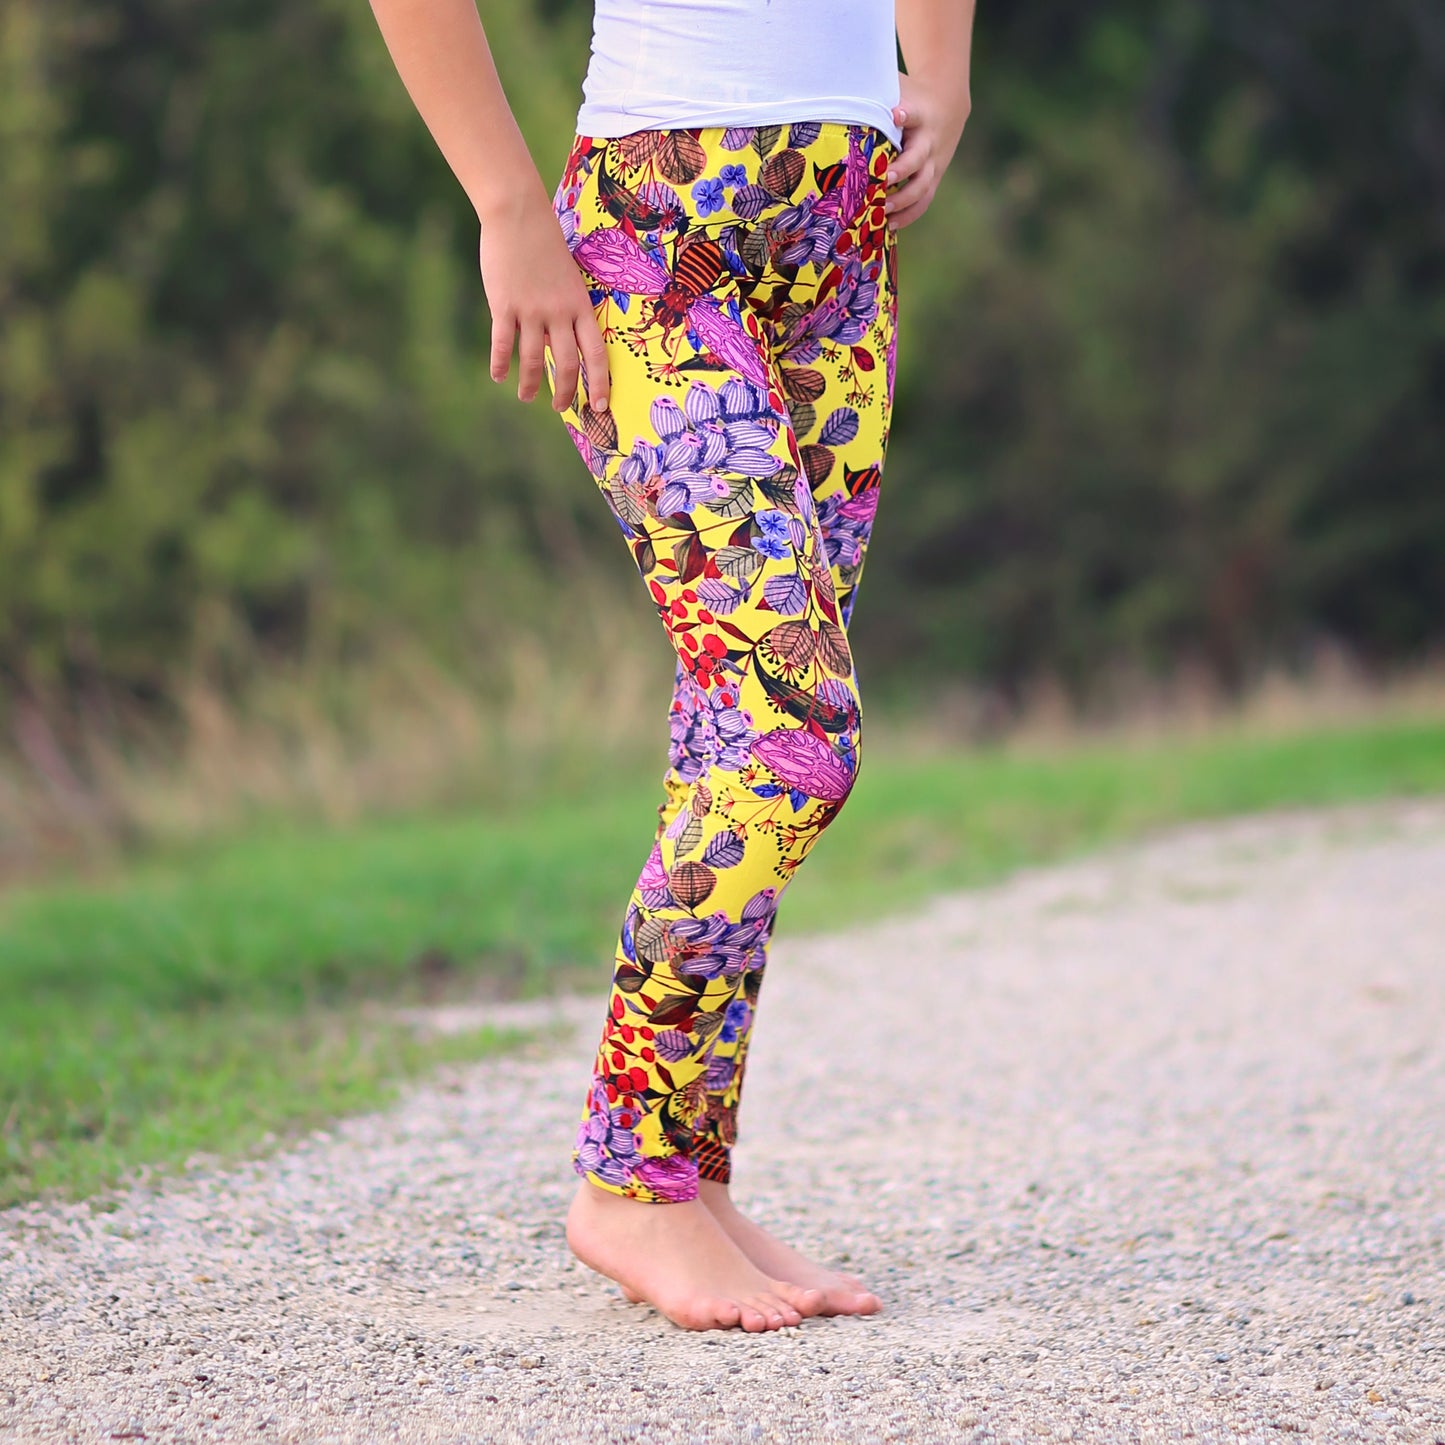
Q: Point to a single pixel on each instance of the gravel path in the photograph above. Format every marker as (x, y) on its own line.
(1147, 1147)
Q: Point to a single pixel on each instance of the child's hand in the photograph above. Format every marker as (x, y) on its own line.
(539, 300)
(932, 119)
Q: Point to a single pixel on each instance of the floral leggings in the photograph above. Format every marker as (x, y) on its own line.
(744, 280)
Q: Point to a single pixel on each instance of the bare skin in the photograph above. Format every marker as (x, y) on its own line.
(678, 1258)
(843, 1294)
(535, 292)
(702, 1263)
(934, 101)
(839, 1294)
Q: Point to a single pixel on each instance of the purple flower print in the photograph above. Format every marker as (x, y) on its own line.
(762, 907)
(736, 426)
(844, 318)
(742, 400)
(846, 523)
(711, 947)
(806, 234)
(606, 1143)
(848, 314)
(673, 1179)
(708, 727)
(733, 176)
(711, 437)
(602, 1167)
(709, 196)
(649, 467)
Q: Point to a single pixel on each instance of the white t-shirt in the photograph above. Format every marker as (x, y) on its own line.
(660, 64)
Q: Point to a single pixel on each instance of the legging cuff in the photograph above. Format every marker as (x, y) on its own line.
(670, 1180)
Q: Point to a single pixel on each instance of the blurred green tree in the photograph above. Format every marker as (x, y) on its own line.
(1172, 367)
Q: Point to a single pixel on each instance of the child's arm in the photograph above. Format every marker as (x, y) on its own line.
(936, 38)
(533, 286)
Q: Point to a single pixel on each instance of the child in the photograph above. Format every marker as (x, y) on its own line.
(712, 292)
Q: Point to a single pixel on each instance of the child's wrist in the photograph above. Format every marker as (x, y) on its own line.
(510, 206)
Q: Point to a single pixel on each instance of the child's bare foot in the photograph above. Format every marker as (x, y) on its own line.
(842, 1293)
(678, 1258)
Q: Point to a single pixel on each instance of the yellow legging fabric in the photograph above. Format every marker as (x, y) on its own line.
(745, 282)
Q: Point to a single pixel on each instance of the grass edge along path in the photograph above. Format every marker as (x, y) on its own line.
(135, 1092)
(216, 1002)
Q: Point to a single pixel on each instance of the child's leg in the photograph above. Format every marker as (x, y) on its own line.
(703, 475)
(836, 366)
(736, 587)
(701, 468)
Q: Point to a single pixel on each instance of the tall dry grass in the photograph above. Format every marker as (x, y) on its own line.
(333, 742)
(1130, 705)
(401, 733)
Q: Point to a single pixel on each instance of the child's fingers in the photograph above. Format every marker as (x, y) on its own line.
(504, 335)
(907, 161)
(529, 377)
(899, 219)
(565, 369)
(920, 188)
(593, 351)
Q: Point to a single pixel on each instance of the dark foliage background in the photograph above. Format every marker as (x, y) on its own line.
(1172, 370)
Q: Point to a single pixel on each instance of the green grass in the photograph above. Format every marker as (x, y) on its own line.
(915, 828)
(94, 1092)
(207, 1001)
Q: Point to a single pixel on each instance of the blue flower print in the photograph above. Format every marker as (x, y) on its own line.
(776, 540)
(735, 1021)
(709, 196)
(733, 175)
